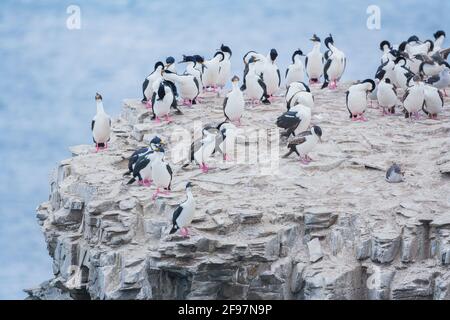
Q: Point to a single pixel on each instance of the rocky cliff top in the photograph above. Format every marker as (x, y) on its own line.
(334, 229)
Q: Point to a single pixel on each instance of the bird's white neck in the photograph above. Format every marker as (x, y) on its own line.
(316, 46)
(297, 59)
(189, 194)
(100, 106)
(235, 86)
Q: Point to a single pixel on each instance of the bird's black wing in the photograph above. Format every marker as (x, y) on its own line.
(405, 95)
(153, 104)
(442, 97)
(327, 54)
(176, 214)
(279, 77)
(346, 102)
(92, 125)
(288, 120)
(433, 79)
(263, 86)
(301, 138)
(141, 163)
(135, 156)
(287, 71)
(224, 105)
(197, 85)
(144, 87)
(306, 62)
(169, 169)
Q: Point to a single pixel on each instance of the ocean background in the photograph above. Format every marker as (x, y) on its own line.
(49, 76)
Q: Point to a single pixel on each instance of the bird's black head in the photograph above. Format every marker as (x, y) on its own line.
(385, 43)
(297, 53)
(252, 60)
(402, 46)
(380, 74)
(156, 141)
(398, 59)
(235, 79)
(329, 40)
(227, 49)
(394, 52)
(158, 65)
(431, 42)
(387, 80)
(220, 53)
(273, 54)
(317, 131)
(170, 60)
(189, 185)
(98, 97)
(373, 85)
(187, 59)
(198, 58)
(315, 38)
(438, 34)
(413, 38)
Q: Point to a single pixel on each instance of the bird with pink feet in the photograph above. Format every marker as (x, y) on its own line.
(228, 134)
(162, 101)
(162, 174)
(188, 84)
(234, 103)
(184, 213)
(142, 169)
(202, 149)
(147, 86)
(334, 65)
(304, 143)
(356, 99)
(101, 126)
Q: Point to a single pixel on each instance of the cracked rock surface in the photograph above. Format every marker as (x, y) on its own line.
(334, 229)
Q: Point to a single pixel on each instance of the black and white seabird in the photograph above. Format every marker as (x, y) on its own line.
(387, 96)
(184, 213)
(202, 149)
(293, 89)
(271, 74)
(193, 69)
(402, 73)
(255, 88)
(441, 81)
(142, 170)
(303, 98)
(439, 37)
(161, 173)
(224, 66)
(304, 143)
(170, 64)
(101, 125)
(296, 70)
(414, 97)
(228, 134)
(156, 142)
(211, 71)
(385, 47)
(162, 100)
(297, 120)
(314, 61)
(356, 99)
(234, 103)
(188, 84)
(434, 102)
(394, 174)
(334, 65)
(147, 86)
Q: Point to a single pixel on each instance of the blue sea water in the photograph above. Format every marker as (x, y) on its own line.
(49, 75)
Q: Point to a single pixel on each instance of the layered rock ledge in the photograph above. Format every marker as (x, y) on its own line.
(332, 230)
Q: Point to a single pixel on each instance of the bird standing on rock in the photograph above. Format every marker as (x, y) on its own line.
(295, 71)
(356, 99)
(394, 174)
(414, 97)
(147, 86)
(101, 125)
(162, 100)
(161, 173)
(387, 96)
(304, 143)
(184, 213)
(188, 84)
(225, 66)
(434, 102)
(155, 143)
(255, 88)
(314, 61)
(334, 65)
(234, 103)
(271, 74)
